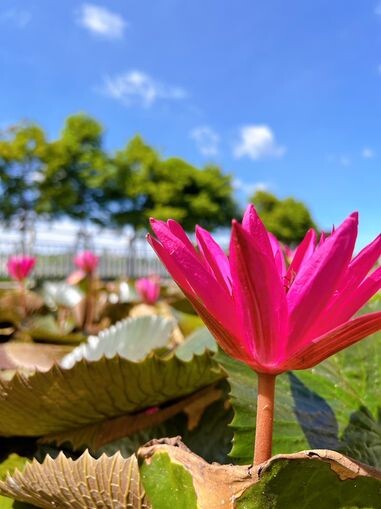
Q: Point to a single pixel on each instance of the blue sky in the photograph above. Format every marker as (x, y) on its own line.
(284, 95)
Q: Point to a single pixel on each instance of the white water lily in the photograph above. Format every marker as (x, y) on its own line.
(61, 294)
(127, 292)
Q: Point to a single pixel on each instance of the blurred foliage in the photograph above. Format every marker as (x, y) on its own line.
(287, 219)
(74, 173)
(23, 151)
(143, 185)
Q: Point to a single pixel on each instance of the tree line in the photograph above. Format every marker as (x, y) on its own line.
(75, 177)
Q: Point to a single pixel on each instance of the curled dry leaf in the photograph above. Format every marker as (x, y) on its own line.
(290, 480)
(85, 483)
(215, 486)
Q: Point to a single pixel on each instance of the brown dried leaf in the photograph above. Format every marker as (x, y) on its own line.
(30, 355)
(216, 486)
(221, 486)
(196, 408)
(344, 467)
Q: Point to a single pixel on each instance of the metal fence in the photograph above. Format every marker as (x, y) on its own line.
(55, 260)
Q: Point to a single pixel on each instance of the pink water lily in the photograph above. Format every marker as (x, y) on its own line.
(148, 288)
(87, 261)
(269, 316)
(273, 317)
(19, 267)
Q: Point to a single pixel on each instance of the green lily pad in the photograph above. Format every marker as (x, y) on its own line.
(7, 467)
(302, 483)
(168, 484)
(66, 399)
(45, 329)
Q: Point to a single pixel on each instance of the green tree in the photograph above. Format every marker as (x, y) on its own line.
(23, 150)
(75, 170)
(288, 219)
(143, 184)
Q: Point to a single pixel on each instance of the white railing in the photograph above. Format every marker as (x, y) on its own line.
(55, 260)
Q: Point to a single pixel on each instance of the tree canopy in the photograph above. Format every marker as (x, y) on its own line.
(22, 157)
(144, 185)
(288, 219)
(75, 170)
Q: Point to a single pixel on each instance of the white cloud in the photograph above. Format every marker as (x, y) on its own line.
(19, 18)
(249, 187)
(137, 87)
(101, 21)
(367, 153)
(207, 140)
(344, 160)
(257, 142)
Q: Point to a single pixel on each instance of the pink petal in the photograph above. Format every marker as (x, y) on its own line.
(178, 230)
(214, 256)
(364, 292)
(148, 288)
(346, 307)
(364, 261)
(19, 266)
(192, 276)
(358, 270)
(259, 294)
(323, 238)
(86, 261)
(318, 278)
(354, 291)
(253, 225)
(302, 253)
(164, 256)
(234, 346)
(343, 336)
(277, 250)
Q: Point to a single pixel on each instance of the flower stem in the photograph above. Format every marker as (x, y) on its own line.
(265, 418)
(23, 297)
(89, 304)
